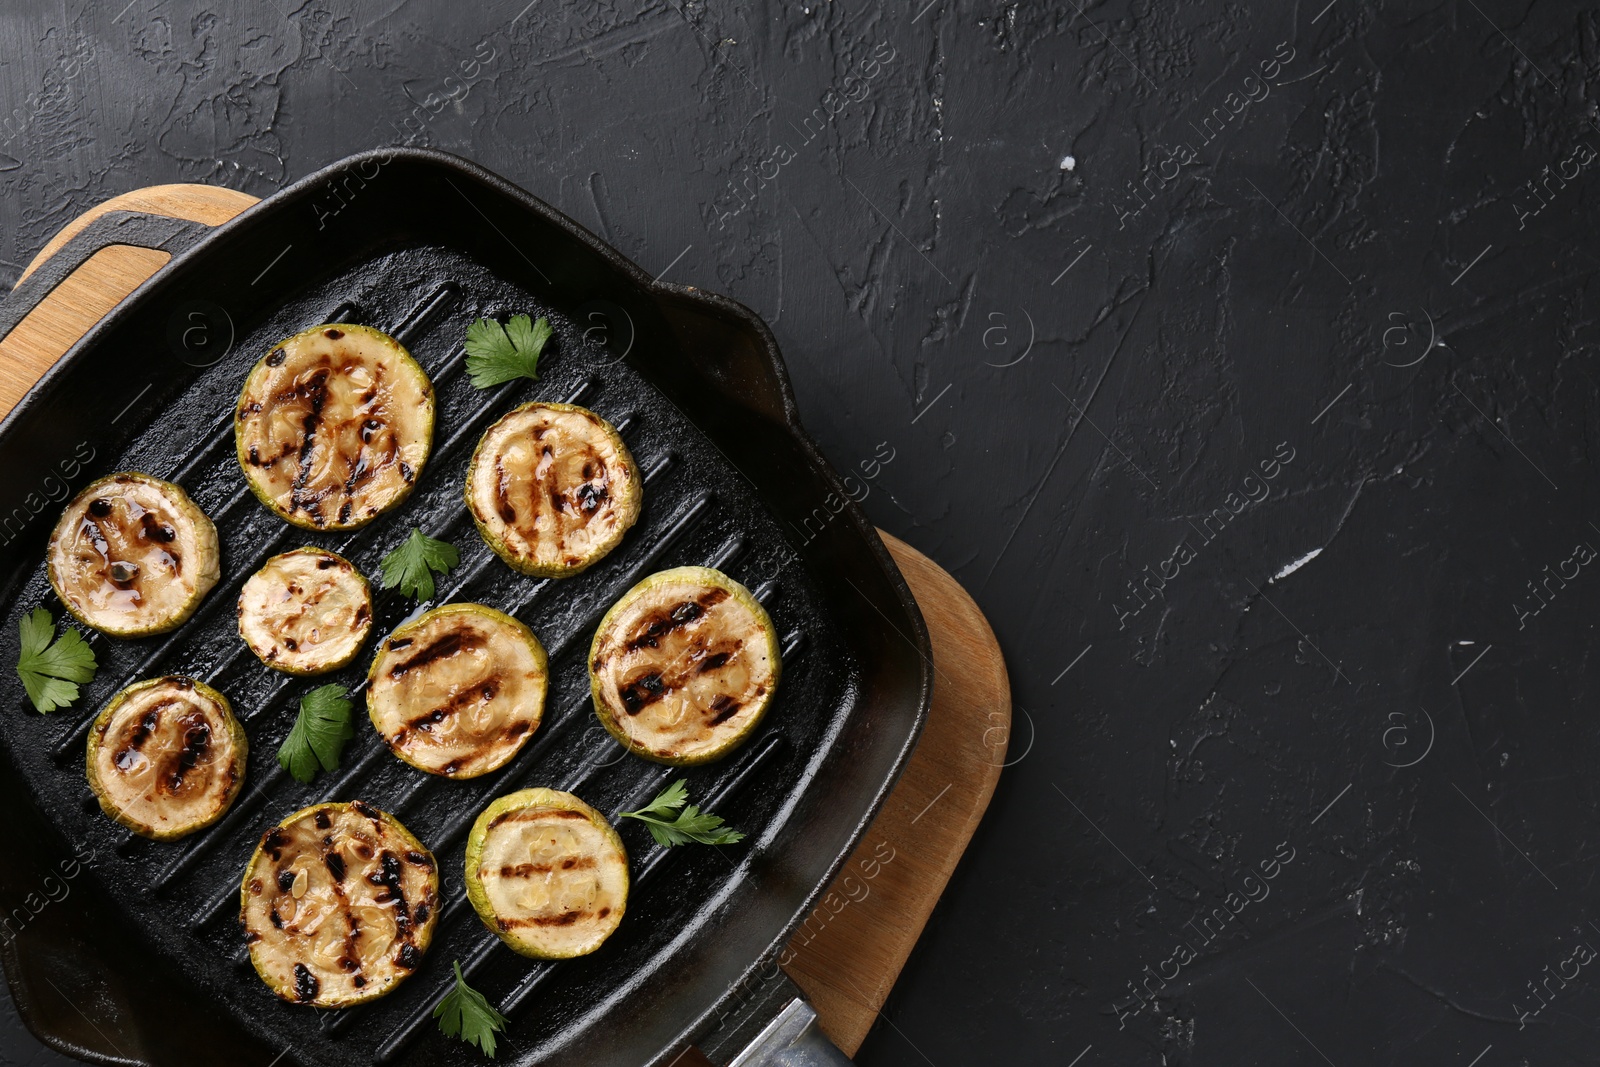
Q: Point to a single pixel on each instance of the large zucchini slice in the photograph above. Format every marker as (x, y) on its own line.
(334, 425)
(305, 612)
(458, 690)
(132, 555)
(166, 757)
(339, 903)
(684, 666)
(547, 873)
(552, 489)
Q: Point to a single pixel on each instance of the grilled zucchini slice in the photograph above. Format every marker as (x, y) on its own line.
(166, 757)
(132, 555)
(547, 873)
(684, 666)
(305, 612)
(458, 690)
(334, 425)
(552, 489)
(339, 903)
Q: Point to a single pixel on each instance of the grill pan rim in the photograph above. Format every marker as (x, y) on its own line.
(910, 627)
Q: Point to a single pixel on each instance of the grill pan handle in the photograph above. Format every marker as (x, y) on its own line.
(793, 1039)
(161, 233)
(771, 1025)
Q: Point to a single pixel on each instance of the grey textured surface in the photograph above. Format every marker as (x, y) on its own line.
(20, 1048)
(1283, 311)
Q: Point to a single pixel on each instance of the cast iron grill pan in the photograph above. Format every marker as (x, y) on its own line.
(422, 245)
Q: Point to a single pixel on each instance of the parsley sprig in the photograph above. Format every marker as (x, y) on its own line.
(465, 1013)
(497, 353)
(674, 821)
(319, 733)
(413, 565)
(51, 667)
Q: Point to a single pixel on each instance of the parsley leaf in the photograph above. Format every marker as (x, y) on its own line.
(319, 733)
(51, 670)
(667, 802)
(674, 821)
(465, 1013)
(413, 565)
(497, 353)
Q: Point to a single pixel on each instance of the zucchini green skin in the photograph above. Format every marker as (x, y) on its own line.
(206, 550)
(627, 473)
(240, 743)
(424, 931)
(425, 414)
(478, 838)
(334, 663)
(541, 664)
(610, 717)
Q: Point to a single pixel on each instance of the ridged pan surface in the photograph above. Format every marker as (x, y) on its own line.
(418, 244)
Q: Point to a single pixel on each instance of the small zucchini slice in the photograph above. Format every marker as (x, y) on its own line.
(458, 690)
(305, 612)
(339, 903)
(334, 425)
(552, 489)
(547, 873)
(684, 666)
(132, 555)
(167, 757)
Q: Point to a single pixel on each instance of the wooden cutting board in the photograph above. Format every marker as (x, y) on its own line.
(851, 948)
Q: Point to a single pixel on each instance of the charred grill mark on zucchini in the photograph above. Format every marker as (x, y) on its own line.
(451, 644)
(725, 708)
(166, 757)
(644, 690)
(350, 960)
(552, 489)
(502, 493)
(457, 691)
(664, 621)
(566, 918)
(528, 870)
(306, 985)
(315, 393)
(196, 740)
(141, 733)
(333, 916)
(454, 705)
(333, 426)
(534, 815)
(132, 555)
(712, 662)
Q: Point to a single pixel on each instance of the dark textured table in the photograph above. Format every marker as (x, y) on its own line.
(1235, 357)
